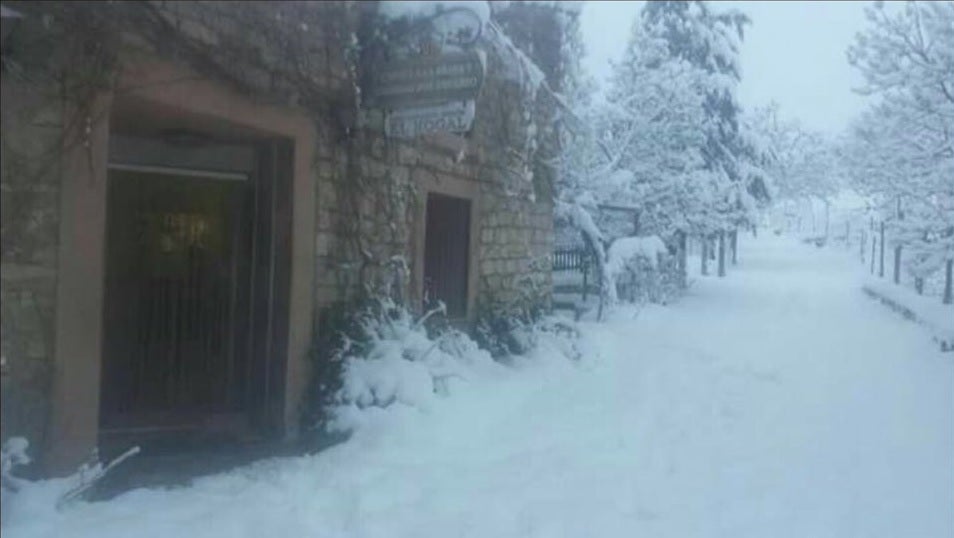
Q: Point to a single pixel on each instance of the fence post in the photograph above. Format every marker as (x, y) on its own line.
(881, 253)
(948, 295)
(897, 264)
(874, 243)
(897, 249)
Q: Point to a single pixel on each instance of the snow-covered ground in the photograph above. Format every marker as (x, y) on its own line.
(927, 310)
(779, 401)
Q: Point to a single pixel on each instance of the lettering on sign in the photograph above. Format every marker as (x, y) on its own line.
(449, 77)
(456, 117)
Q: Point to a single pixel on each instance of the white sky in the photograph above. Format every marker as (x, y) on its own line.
(793, 53)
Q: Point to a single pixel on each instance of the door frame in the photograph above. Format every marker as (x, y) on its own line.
(458, 188)
(74, 414)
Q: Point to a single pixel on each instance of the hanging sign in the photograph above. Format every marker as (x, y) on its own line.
(453, 117)
(453, 76)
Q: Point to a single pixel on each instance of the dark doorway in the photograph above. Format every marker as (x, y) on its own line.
(196, 305)
(447, 253)
(177, 292)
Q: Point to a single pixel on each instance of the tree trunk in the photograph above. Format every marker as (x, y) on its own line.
(862, 242)
(734, 242)
(721, 253)
(874, 249)
(881, 253)
(683, 259)
(897, 264)
(811, 209)
(948, 295)
(705, 256)
(712, 248)
(586, 269)
(827, 214)
(847, 234)
(919, 285)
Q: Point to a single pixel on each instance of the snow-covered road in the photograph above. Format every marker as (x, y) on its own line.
(779, 401)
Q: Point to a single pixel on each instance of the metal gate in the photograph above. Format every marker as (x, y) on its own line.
(176, 292)
(195, 331)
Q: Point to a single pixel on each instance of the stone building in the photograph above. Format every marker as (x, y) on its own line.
(187, 187)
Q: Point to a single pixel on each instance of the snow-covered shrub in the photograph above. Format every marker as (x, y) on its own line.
(506, 328)
(643, 270)
(395, 359)
(509, 334)
(13, 454)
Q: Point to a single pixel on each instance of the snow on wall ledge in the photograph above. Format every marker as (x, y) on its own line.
(412, 9)
(936, 317)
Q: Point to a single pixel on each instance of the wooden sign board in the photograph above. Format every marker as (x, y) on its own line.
(455, 76)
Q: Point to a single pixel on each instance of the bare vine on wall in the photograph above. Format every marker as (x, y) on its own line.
(63, 59)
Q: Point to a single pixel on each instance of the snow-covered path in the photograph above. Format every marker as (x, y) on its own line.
(779, 401)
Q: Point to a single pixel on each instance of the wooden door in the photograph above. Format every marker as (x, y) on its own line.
(447, 253)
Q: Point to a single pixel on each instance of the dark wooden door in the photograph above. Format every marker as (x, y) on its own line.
(177, 297)
(447, 253)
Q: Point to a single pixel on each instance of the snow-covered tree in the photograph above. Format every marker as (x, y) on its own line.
(710, 41)
(803, 164)
(695, 167)
(901, 152)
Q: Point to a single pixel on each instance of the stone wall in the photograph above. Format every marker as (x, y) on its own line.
(370, 190)
(30, 195)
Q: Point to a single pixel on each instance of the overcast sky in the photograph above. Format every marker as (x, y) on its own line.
(793, 53)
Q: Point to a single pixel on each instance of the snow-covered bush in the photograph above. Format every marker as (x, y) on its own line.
(12, 455)
(505, 328)
(399, 360)
(402, 364)
(387, 357)
(643, 270)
